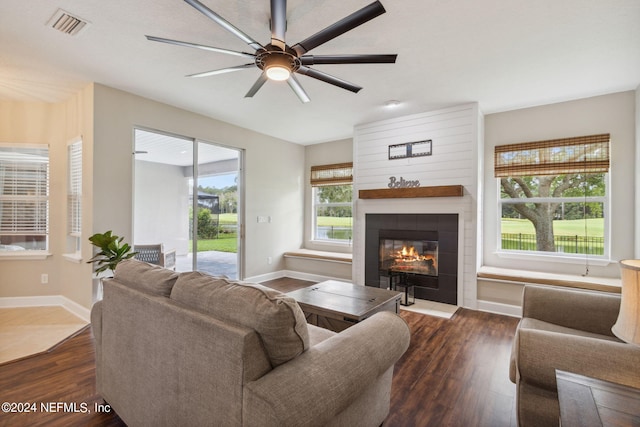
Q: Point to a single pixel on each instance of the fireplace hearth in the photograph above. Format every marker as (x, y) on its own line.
(422, 248)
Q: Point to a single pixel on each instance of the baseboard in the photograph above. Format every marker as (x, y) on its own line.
(499, 308)
(265, 277)
(47, 301)
(292, 274)
(77, 309)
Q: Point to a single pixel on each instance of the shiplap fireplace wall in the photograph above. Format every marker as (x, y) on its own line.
(456, 135)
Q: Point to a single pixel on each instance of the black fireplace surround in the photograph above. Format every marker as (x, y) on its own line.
(442, 228)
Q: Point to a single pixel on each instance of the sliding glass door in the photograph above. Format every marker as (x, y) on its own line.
(187, 199)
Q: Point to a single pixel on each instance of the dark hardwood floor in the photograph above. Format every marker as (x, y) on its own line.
(455, 373)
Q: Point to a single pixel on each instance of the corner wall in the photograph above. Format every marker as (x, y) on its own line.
(55, 125)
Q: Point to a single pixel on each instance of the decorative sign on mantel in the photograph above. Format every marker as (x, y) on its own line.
(402, 183)
(410, 149)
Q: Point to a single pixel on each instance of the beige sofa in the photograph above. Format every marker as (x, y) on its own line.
(189, 349)
(569, 330)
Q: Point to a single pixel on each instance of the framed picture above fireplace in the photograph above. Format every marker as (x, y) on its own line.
(410, 149)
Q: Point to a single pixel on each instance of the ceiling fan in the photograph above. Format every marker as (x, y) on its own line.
(279, 61)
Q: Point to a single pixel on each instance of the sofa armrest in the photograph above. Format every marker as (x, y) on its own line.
(589, 311)
(320, 383)
(96, 328)
(540, 353)
(96, 321)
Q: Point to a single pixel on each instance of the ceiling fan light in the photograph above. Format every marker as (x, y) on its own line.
(278, 73)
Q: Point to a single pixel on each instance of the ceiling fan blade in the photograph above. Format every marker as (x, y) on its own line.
(278, 22)
(222, 70)
(201, 46)
(297, 88)
(327, 78)
(257, 85)
(224, 23)
(348, 59)
(352, 21)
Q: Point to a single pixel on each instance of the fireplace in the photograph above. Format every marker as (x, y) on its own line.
(422, 248)
(409, 256)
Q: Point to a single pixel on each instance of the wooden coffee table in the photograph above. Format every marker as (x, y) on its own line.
(586, 401)
(337, 305)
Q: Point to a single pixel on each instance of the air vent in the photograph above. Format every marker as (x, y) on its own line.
(67, 23)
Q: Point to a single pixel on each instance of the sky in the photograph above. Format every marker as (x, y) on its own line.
(218, 181)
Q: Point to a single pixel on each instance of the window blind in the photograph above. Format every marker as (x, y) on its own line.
(74, 188)
(24, 190)
(335, 174)
(583, 154)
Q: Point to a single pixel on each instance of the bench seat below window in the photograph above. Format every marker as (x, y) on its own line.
(606, 284)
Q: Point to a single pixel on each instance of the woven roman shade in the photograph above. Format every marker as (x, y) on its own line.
(336, 174)
(582, 154)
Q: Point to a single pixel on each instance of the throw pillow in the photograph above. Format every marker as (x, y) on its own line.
(146, 277)
(277, 318)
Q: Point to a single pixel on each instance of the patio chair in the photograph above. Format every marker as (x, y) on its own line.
(155, 254)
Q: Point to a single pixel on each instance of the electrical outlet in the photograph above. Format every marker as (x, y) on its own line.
(269, 260)
(44, 278)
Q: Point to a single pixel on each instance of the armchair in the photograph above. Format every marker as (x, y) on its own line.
(155, 254)
(568, 330)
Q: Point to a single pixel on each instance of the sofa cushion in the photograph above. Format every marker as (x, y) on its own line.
(146, 277)
(277, 318)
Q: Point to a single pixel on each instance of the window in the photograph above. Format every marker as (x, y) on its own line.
(24, 197)
(74, 195)
(332, 202)
(554, 196)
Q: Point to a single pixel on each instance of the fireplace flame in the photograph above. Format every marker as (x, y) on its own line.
(410, 254)
(410, 258)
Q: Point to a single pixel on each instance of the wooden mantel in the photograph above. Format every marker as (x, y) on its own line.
(414, 192)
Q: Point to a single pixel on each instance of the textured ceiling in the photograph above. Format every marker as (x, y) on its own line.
(503, 54)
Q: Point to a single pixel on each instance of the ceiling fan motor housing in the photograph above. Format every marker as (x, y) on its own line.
(273, 56)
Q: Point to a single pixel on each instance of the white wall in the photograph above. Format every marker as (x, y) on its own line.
(455, 133)
(273, 176)
(636, 235)
(613, 114)
(161, 206)
(53, 124)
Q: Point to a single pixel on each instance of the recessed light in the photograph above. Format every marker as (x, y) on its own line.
(392, 104)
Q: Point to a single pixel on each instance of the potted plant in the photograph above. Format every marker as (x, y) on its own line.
(112, 251)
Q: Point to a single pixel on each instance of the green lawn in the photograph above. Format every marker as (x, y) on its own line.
(328, 221)
(227, 242)
(595, 227)
(228, 218)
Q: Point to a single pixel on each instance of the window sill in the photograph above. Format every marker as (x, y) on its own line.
(75, 258)
(339, 243)
(24, 255)
(607, 284)
(320, 255)
(541, 257)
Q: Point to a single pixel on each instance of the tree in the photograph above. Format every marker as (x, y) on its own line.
(542, 214)
(335, 194)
